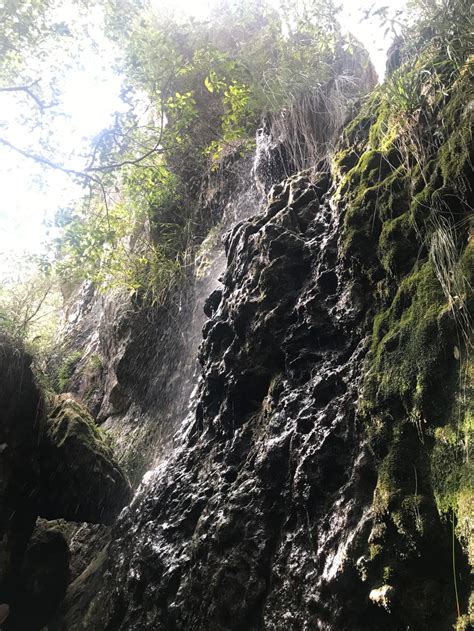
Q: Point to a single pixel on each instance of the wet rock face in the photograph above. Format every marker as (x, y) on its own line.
(80, 480)
(40, 581)
(20, 424)
(272, 160)
(55, 467)
(256, 519)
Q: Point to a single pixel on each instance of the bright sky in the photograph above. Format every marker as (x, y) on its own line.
(30, 195)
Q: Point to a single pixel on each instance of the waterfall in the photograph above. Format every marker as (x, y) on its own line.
(259, 478)
(155, 419)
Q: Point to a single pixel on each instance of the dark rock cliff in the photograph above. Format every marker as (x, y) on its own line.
(251, 522)
(281, 507)
(317, 477)
(310, 489)
(134, 365)
(53, 463)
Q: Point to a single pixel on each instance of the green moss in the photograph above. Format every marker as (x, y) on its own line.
(403, 192)
(464, 623)
(95, 363)
(402, 477)
(80, 477)
(466, 271)
(371, 168)
(397, 245)
(412, 358)
(389, 213)
(345, 160)
(374, 551)
(452, 468)
(454, 156)
(374, 191)
(387, 573)
(66, 370)
(383, 133)
(71, 416)
(357, 130)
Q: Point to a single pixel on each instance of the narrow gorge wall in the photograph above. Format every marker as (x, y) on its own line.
(253, 516)
(308, 489)
(313, 471)
(135, 364)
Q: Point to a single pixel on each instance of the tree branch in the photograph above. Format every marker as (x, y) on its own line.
(42, 160)
(130, 162)
(116, 165)
(89, 173)
(58, 167)
(29, 317)
(28, 91)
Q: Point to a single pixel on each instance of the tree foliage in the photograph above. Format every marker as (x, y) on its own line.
(30, 306)
(216, 78)
(196, 90)
(141, 243)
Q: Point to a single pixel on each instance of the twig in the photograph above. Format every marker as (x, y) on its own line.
(27, 90)
(58, 167)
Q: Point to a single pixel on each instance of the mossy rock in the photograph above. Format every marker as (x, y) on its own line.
(397, 246)
(66, 370)
(80, 478)
(404, 192)
(412, 350)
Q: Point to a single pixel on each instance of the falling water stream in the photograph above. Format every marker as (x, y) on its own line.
(145, 434)
(249, 489)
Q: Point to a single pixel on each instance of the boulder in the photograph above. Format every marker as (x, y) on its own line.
(80, 479)
(40, 582)
(52, 465)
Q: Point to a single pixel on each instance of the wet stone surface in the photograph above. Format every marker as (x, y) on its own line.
(53, 462)
(256, 519)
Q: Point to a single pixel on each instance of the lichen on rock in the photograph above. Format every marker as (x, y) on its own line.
(80, 479)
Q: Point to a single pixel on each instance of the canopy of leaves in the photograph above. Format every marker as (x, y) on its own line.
(216, 78)
(196, 90)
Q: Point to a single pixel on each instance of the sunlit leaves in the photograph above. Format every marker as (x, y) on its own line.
(140, 244)
(210, 83)
(29, 303)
